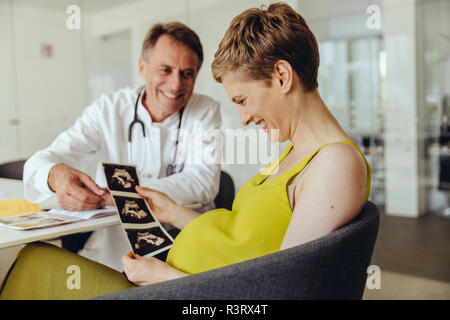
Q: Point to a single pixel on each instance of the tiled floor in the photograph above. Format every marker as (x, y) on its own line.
(398, 286)
(417, 247)
(414, 258)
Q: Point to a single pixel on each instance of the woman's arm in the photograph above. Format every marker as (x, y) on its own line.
(332, 194)
(182, 216)
(167, 210)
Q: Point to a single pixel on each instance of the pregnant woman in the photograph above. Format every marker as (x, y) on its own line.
(267, 62)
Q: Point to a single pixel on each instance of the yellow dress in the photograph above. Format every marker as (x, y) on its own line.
(254, 227)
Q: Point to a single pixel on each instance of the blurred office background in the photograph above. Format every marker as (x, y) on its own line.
(384, 73)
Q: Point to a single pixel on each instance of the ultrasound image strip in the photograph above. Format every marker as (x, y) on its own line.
(145, 233)
(133, 210)
(149, 241)
(121, 178)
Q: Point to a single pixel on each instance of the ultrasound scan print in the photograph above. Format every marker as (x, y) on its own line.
(121, 177)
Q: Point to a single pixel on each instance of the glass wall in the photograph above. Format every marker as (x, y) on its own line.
(351, 83)
(436, 113)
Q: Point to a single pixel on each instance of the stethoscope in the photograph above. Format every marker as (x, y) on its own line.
(172, 167)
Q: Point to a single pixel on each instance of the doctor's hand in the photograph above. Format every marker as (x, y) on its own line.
(145, 271)
(167, 210)
(107, 198)
(75, 190)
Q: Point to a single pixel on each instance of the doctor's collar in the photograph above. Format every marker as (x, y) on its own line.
(170, 120)
(145, 114)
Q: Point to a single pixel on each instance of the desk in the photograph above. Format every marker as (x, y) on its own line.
(13, 189)
(10, 237)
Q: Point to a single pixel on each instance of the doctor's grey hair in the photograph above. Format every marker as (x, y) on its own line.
(179, 32)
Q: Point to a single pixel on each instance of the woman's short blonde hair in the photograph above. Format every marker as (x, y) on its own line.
(258, 38)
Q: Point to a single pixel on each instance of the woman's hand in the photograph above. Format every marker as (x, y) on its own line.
(161, 205)
(167, 210)
(145, 271)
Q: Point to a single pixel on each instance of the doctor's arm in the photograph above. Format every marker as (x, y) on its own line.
(56, 169)
(75, 190)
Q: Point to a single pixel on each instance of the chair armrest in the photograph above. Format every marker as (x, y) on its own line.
(331, 267)
(252, 279)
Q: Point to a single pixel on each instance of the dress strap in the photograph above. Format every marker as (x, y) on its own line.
(301, 165)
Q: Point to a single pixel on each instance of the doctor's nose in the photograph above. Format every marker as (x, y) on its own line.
(175, 81)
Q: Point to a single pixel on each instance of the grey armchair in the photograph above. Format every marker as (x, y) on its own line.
(331, 267)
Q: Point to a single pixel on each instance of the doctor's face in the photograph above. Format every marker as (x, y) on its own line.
(169, 69)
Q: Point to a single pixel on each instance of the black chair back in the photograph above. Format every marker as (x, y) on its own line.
(225, 197)
(12, 170)
(444, 172)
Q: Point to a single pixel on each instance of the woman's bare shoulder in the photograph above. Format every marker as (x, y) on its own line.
(337, 165)
(331, 194)
(338, 156)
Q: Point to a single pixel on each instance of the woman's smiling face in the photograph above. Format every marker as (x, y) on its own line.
(258, 103)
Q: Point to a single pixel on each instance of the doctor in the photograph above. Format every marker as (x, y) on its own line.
(137, 126)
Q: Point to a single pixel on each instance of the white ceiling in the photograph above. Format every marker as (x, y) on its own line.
(94, 6)
(87, 6)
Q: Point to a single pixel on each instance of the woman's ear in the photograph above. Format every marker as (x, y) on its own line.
(284, 75)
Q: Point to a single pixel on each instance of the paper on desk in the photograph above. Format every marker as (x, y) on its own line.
(35, 220)
(12, 207)
(51, 218)
(87, 214)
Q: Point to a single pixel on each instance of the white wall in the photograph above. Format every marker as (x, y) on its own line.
(46, 93)
(330, 19)
(404, 102)
(109, 64)
(136, 17)
(9, 132)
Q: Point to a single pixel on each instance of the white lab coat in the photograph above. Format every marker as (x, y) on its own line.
(102, 130)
